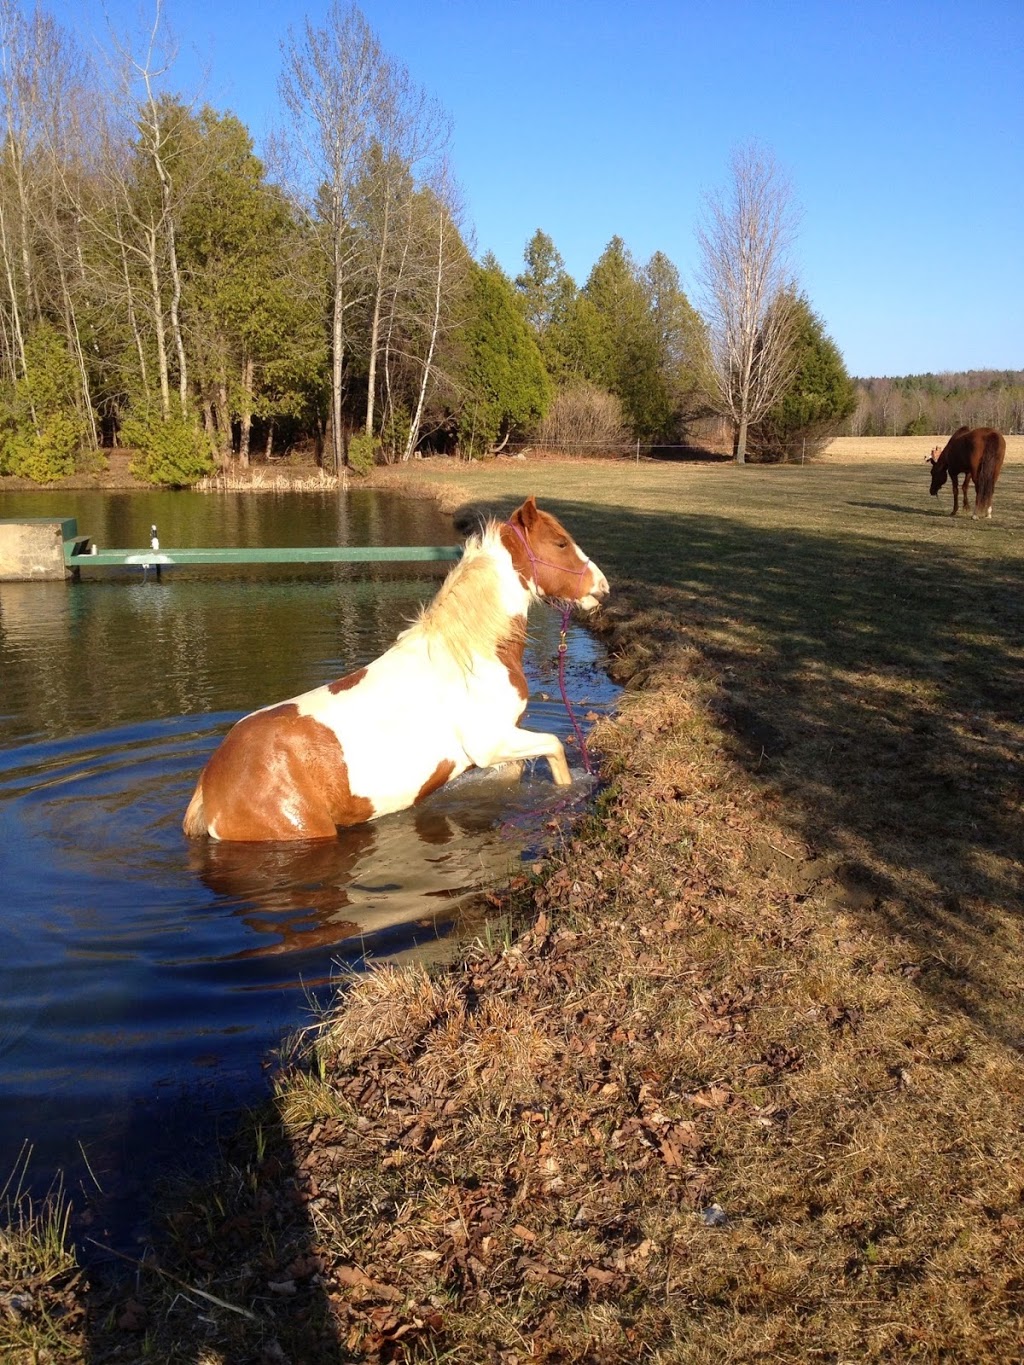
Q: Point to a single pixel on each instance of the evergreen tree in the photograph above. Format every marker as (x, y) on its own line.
(503, 375)
(614, 290)
(680, 334)
(42, 429)
(565, 326)
(574, 344)
(818, 399)
(542, 285)
(251, 291)
(629, 359)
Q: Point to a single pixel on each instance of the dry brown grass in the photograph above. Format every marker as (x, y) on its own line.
(697, 1113)
(750, 1085)
(42, 1313)
(259, 479)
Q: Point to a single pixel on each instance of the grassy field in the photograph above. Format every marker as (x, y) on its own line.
(749, 1086)
(867, 651)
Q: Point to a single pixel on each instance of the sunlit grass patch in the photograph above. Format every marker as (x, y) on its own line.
(41, 1314)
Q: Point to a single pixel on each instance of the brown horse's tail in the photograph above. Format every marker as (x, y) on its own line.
(988, 471)
(194, 823)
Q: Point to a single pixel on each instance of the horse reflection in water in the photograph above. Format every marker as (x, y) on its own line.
(302, 896)
(447, 696)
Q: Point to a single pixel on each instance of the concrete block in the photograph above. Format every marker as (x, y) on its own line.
(33, 548)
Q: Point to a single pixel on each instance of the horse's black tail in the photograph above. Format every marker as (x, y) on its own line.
(988, 471)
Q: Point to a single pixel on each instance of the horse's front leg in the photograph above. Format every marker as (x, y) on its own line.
(517, 745)
(510, 772)
(956, 494)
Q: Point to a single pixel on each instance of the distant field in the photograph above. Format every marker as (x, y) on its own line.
(851, 449)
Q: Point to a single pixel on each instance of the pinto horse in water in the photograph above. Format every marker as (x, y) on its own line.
(447, 696)
(977, 454)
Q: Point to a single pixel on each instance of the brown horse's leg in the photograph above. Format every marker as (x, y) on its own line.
(967, 479)
(956, 494)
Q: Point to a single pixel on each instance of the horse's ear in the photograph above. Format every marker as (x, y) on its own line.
(528, 512)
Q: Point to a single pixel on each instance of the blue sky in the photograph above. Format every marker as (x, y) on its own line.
(900, 126)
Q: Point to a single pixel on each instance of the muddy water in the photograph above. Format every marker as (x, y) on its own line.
(144, 979)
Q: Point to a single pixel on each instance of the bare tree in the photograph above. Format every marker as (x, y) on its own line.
(744, 237)
(335, 86)
(445, 258)
(143, 171)
(29, 45)
(425, 290)
(413, 132)
(40, 246)
(371, 140)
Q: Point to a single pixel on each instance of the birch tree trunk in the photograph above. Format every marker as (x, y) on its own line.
(75, 345)
(179, 342)
(159, 329)
(375, 320)
(337, 365)
(18, 367)
(248, 370)
(414, 427)
(154, 141)
(226, 443)
(371, 376)
(132, 319)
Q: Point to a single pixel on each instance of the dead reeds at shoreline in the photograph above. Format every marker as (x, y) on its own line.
(259, 479)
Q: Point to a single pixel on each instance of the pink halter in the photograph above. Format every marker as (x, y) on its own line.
(547, 563)
(562, 647)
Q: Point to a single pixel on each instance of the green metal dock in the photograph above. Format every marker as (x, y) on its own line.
(47, 548)
(77, 559)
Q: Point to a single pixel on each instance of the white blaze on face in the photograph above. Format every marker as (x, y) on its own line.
(597, 584)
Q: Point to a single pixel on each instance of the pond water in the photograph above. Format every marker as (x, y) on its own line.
(144, 979)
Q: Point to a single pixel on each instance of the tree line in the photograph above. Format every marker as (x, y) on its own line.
(923, 404)
(161, 289)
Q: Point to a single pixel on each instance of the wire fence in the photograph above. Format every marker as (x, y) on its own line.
(793, 452)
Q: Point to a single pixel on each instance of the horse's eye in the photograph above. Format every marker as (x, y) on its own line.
(562, 544)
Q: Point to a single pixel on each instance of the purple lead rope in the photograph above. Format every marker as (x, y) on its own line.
(563, 648)
(562, 651)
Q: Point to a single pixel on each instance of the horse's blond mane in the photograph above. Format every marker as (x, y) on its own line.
(468, 616)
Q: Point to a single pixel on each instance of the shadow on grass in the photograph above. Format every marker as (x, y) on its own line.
(236, 1275)
(901, 509)
(877, 686)
(232, 1262)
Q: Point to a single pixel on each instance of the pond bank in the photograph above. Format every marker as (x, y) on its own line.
(702, 1107)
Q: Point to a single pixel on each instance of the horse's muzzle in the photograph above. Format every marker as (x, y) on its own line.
(598, 592)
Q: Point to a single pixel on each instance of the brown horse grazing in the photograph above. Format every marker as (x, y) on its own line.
(976, 454)
(448, 695)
